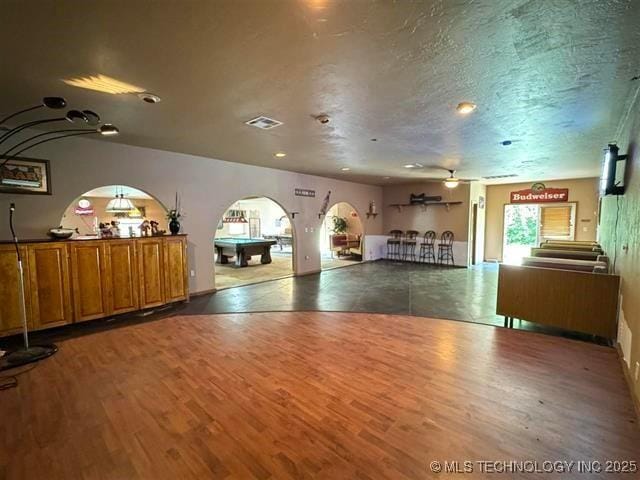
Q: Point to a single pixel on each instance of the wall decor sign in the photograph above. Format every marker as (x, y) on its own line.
(305, 192)
(84, 207)
(539, 193)
(25, 175)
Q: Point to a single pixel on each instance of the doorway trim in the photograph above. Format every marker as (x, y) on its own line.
(574, 215)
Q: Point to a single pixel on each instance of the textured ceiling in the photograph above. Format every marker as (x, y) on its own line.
(552, 76)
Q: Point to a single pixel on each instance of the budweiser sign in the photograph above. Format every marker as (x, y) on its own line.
(538, 193)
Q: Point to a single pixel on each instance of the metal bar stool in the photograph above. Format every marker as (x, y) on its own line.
(427, 248)
(394, 244)
(409, 245)
(445, 248)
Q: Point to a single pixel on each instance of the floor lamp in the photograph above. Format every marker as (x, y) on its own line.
(33, 353)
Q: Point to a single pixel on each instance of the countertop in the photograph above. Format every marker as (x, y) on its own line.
(84, 239)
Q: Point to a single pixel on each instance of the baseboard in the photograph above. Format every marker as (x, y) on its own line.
(203, 292)
(628, 379)
(311, 272)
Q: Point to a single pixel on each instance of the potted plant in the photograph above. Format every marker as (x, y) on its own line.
(174, 216)
(339, 225)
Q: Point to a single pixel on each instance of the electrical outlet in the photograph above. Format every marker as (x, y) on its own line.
(637, 372)
(193, 273)
(307, 257)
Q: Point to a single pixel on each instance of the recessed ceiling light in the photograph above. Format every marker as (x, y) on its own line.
(345, 169)
(279, 154)
(413, 165)
(466, 107)
(149, 97)
(104, 84)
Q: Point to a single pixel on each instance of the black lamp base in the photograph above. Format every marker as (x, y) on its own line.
(25, 356)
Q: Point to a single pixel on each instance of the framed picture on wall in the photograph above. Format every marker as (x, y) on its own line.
(25, 176)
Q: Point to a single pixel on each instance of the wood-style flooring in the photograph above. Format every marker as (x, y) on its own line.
(312, 396)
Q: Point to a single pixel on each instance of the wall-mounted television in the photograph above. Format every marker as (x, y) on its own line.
(613, 169)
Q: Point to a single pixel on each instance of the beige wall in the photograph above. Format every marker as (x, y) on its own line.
(583, 191)
(84, 223)
(436, 218)
(207, 188)
(621, 240)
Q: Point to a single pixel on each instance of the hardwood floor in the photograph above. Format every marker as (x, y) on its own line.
(312, 395)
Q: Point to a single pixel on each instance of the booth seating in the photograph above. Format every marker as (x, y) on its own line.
(572, 254)
(564, 246)
(601, 265)
(345, 244)
(570, 242)
(573, 300)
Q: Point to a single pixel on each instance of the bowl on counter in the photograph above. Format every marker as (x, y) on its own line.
(60, 233)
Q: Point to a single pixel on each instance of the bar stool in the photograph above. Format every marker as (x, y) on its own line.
(393, 244)
(427, 248)
(409, 245)
(445, 248)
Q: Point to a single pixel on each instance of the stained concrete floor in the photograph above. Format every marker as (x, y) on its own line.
(382, 287)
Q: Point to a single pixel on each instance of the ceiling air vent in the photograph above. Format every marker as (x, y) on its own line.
(264, 123)
(495, 177)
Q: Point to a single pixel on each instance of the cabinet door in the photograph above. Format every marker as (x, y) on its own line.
(175, 269)
(10, 309)
(123, 273)
(49, 284)
(150, 271)
(90, 280)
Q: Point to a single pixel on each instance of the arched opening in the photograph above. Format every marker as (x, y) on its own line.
(98, 214)
(253, 242)
(341, 237)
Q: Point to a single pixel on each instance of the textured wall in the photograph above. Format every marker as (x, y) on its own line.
(623, 240)
(583, 191)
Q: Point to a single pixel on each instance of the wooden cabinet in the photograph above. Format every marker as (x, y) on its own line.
(150, 271)
(89, 276)
(84, 280)
(10, 309)
(49, 284)
(122, 267)
(175, 269)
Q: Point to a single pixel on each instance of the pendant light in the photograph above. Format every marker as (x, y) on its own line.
(119, 204)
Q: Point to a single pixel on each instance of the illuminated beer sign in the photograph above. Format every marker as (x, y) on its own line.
(539, 193)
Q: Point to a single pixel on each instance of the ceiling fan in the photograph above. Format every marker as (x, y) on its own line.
(450, 182)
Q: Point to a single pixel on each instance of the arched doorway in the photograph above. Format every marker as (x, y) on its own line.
(253, 242)
(114, 210)
(341, 237)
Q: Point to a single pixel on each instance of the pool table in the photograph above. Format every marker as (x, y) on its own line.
(243, 249)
